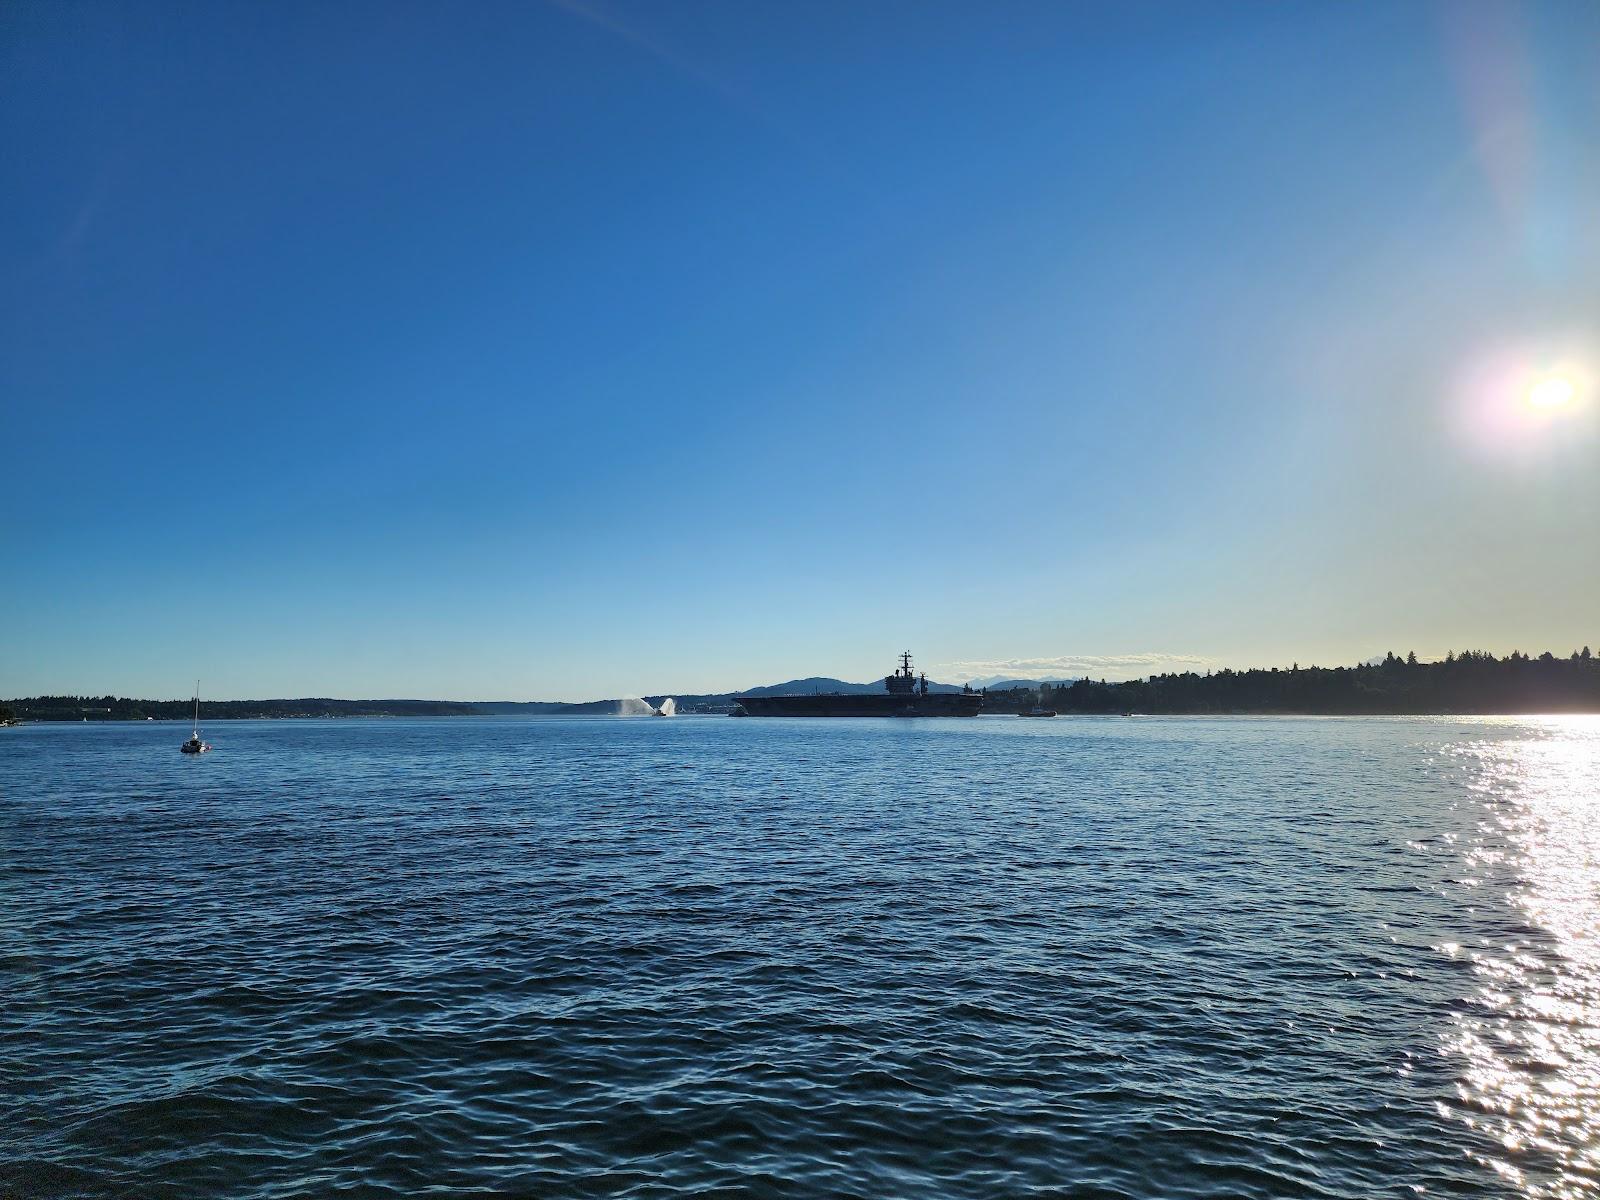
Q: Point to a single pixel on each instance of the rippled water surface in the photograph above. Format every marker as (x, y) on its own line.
(1088, 957)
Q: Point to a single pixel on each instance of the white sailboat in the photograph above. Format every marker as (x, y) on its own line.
(194, 745)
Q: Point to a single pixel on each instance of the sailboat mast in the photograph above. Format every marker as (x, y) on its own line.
(197, 708)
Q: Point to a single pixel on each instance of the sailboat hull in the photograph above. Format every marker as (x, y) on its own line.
(194, 745)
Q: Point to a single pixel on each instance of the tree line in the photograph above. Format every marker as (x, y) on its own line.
(1471, 681)
(121, 708)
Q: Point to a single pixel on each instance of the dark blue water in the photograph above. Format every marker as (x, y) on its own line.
(1242, 958)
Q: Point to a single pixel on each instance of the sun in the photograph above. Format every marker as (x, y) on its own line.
(1552, 391)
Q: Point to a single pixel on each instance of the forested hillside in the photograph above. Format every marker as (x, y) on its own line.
(1469, 682)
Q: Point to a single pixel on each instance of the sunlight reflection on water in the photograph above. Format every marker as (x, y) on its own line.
(1530, 1039)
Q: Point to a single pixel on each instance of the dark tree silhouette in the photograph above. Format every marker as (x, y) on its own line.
(1472, 681)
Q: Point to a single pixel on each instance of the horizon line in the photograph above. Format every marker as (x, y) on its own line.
(1408, 658)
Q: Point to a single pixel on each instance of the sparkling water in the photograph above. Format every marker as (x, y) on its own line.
(560, 957)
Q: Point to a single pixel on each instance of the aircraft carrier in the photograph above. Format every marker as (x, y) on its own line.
(904, 695)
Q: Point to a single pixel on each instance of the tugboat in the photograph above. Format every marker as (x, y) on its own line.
(1038, 711)
(194, 745)
(904, 694)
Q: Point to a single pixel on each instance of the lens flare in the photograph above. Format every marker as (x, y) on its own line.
(1530, 403)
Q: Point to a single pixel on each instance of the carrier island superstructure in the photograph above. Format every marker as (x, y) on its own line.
(905, 694)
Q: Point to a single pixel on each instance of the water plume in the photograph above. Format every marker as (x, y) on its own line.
(633, 706)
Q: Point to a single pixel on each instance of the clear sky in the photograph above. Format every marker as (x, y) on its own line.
(590, 348)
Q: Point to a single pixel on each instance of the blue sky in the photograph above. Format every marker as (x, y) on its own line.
(582, 349)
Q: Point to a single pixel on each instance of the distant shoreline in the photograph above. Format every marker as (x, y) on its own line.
(1472, 683)
(995, 713)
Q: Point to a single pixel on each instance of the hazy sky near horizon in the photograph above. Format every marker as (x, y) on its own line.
(586, 349)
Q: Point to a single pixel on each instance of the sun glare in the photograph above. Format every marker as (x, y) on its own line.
(1521, 401)
(1552, 391)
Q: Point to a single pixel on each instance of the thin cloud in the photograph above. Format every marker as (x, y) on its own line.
(654, 47)
(741, 100)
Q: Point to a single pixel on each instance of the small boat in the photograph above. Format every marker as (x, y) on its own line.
(1036, 711)
(194, 745)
